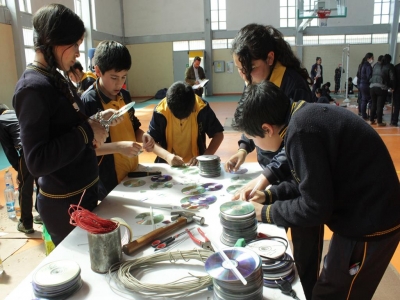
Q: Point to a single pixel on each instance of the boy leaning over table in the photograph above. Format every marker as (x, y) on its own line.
(336, 181)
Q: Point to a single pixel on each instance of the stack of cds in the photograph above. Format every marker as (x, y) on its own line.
(226, 285)
(277, 265)
(209, 165)
(57, 280)
(238, 219)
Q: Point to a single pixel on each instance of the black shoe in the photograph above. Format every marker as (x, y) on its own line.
(22, 228)
(395, 125)
(381, 124)
(37, 220)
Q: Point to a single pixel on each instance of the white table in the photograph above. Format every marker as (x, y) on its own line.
(127, 203)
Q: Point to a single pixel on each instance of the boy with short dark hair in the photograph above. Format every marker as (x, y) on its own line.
(331, 186)
(179, 125)
(119, 155)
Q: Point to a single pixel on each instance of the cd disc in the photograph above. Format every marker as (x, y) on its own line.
(191, 170)
(208, 158)
(134, 183)
(56, 273)
(234, 188)
(193, 190)
(268, 248)
(245, 261)
(186, 204)
(240, 171)
(203, 199)
(161, 178)
(144, 219)
(237, 208)
(212, 186)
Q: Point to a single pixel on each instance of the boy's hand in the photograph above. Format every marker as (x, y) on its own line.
(129, 149)
(236, 160)
(192, 162)
(148, 142)
(108, 113)
(258, 209)
(174, 160)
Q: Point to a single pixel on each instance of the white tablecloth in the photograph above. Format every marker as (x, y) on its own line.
(127, 203)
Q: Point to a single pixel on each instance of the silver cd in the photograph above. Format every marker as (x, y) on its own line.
(268, 248)
(56, 273)
(245, 261)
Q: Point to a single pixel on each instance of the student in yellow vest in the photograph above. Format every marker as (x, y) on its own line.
(83, 80)
(179, 125)
(119, 155)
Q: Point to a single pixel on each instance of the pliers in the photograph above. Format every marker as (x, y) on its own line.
(206, 244)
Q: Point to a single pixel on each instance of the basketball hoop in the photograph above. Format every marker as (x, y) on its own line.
(323, 15)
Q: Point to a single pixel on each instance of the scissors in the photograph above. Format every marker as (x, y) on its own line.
(106, 123)
(206, 244)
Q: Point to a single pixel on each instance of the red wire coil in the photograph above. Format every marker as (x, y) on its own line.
(89, 221)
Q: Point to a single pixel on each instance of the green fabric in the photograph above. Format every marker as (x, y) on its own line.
(240, 243)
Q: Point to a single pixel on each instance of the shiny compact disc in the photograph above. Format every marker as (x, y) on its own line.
(268, 248)
(134, 183)
(212, 186)
(145, 219)
(161, 178)
(56, 273)
(203, 199)
(193, 190)
(237, 208)
(245, 261)
(234, 188)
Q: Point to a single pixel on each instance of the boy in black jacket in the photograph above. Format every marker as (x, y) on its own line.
(331, 186)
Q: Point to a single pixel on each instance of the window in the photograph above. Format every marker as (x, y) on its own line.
(331, 39)
(189, 45)
(312, 5)
(82, 47)
(25, 6)
(310, 40)
(358, 39)
(381, 11)
(218, 14)
(93, 7)
(380, 38)
(287, 13)
(2, 2)
(27, 34)
(220, 44)
(290, 39)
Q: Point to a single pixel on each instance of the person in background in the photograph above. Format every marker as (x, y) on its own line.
(320, 98)
(11, 142)
(366, 227)
(179, 126)
(58, 139)
(194, 74)
(83, 80)
(350, 86)
(383, 78)
(316, 75)
(261, 53)
(364, 74)
(119, 154)
(396, 98)
(338, 75)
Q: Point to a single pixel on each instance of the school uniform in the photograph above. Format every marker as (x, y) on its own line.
(342, 189)
(58, 148)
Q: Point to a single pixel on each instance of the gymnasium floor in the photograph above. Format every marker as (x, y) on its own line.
(21, 253)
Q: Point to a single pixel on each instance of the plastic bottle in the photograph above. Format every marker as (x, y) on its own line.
(16, 203)
(9, 196)
(1, 267)
(8, 178)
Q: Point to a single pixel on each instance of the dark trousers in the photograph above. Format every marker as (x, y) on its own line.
(395, 108)
(54, 212)
(25, 188)
(307, 252)
(373, 257)
(378, 98)
(337, 84)
(364, 99)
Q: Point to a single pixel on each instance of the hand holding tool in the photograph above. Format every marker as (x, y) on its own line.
(142, 174)
(206, 244)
